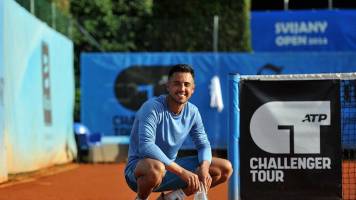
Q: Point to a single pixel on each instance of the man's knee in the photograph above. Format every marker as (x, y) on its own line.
(226, 170)
(155, 173)
(151, 171)
(223, 169)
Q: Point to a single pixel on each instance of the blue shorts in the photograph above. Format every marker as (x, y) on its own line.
(170, 181)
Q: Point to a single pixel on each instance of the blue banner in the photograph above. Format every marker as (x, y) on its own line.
(114, 85)
(323, 30)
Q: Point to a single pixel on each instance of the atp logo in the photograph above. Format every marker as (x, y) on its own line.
(286, 127)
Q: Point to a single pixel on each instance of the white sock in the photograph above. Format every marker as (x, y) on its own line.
(176, 194)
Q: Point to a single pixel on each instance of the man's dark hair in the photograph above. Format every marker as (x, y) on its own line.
(181, 68)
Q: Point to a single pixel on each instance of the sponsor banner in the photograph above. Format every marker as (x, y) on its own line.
(323, 30)
(290, 140)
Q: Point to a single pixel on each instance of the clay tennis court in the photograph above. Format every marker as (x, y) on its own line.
(106, 182)
(79, 182)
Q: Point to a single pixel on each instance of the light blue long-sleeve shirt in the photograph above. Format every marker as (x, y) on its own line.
(157, 133)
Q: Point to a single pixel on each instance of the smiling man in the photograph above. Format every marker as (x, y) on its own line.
(161, 126)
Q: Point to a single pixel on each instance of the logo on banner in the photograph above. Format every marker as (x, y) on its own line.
(288, 127)
(275, 124)
(46, 85)
(136, 84)
(303, 33)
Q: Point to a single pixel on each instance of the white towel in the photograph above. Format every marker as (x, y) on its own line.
(216, 100)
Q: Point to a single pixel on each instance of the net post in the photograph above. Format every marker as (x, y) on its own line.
(233, 139)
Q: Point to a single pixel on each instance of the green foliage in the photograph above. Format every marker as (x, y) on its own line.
(156, 25)
(113, 24)
(188, 25)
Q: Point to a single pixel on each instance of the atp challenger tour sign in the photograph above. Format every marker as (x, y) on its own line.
(290, 143)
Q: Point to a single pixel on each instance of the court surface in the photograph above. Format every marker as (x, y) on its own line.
(80, 182)
(106, 182)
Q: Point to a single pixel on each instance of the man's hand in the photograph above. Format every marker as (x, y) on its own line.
(189, 177)
(192, 180)
(204, 175)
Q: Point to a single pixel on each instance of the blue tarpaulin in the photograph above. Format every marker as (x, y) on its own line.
(3, 168)
(38, 86)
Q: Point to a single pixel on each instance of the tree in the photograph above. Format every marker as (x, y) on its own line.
(108, 25)
(156, 25)
(178, 25)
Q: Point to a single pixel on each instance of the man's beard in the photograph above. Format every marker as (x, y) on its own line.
(177, 101)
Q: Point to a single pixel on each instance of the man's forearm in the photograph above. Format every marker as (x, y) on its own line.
(175, 168)
(205, 164)
(178, 170)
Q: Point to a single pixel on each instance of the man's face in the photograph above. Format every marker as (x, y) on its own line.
(180, 87)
